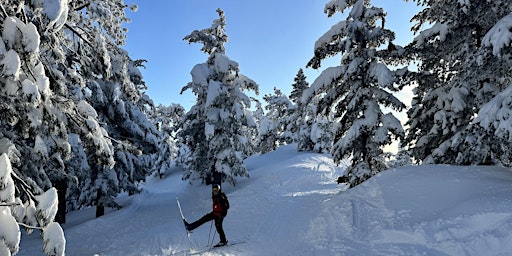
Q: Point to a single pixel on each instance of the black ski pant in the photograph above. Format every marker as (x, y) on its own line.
(218, 224)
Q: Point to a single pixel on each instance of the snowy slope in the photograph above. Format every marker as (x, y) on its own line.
(292, 206)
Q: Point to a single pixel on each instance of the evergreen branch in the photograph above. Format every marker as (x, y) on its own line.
(28, 226)
(78, 34)
(82, 6)
(114, 140)
(9, 204)
(25, 187)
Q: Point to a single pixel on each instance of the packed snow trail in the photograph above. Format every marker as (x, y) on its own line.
(292, 205)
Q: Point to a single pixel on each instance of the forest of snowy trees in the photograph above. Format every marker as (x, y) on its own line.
(77, 128)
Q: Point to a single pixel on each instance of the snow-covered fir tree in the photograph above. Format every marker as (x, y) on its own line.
(266, 139)
(258, 114)
(278, 109)
(167, 119)
(307, 118)
(458, 73)
(322, 134)
(68, 56)
(103, 75)
(37, 212)
(296, 113)
(303, 125)
(298, 87)
(33, 128)
(10, 232)
(356, 90)
(29, 120)
(53, 54)
(122, 109)
(215, 128)
(488, 135)
(300, 123)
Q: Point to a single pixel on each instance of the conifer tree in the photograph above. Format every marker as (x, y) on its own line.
(306, 121)
(296, 117)
(279, 108)
(266, 139)
(215, 128)
(55, 58)
(356, 90)
(457, 74)
(167, 119)
(299, 86)
(96, 70)
(76, 56)
(32, 124)
(488, 134)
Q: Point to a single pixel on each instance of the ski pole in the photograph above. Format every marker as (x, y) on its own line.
(213, 239)
(209, 234)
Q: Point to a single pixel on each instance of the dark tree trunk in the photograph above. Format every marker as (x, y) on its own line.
(214, 178)
(62, 187)
(100, 208)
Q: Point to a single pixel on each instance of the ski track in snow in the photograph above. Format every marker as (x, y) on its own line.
(292, 206)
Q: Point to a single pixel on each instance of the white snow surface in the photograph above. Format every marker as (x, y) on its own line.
(292, 205)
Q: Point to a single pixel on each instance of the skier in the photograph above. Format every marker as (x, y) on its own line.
(220, 206)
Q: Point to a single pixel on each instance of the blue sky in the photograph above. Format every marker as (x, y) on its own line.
(269, 39)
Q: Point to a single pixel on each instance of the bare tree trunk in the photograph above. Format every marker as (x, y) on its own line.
(100, 208)
(62, 188)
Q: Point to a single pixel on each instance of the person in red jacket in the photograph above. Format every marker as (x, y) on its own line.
(220, 206)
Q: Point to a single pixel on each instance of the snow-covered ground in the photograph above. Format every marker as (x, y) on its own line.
(292, 205)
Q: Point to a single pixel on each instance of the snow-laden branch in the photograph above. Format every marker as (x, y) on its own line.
(499, 36)
(28, 226)
(9, 204)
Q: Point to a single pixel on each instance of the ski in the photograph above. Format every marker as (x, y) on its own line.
(228, 244)
(184, 220)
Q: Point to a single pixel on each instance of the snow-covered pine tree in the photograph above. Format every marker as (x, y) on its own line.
(105, 77)
(32, 125)
(122, 108)
(489, 133)
(455, 77)
(266, 139)
(10, 234)
(167, 119)
(298, 87)
(303, 125)
(37, 212)
(307, 117)
(296, 116)
(215, 128)
(356, 90)
(279, 108)
(30, 121)
(322, 134)
(253, 132)
(67, 56)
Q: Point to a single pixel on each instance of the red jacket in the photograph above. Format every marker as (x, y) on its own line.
(220, 204)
